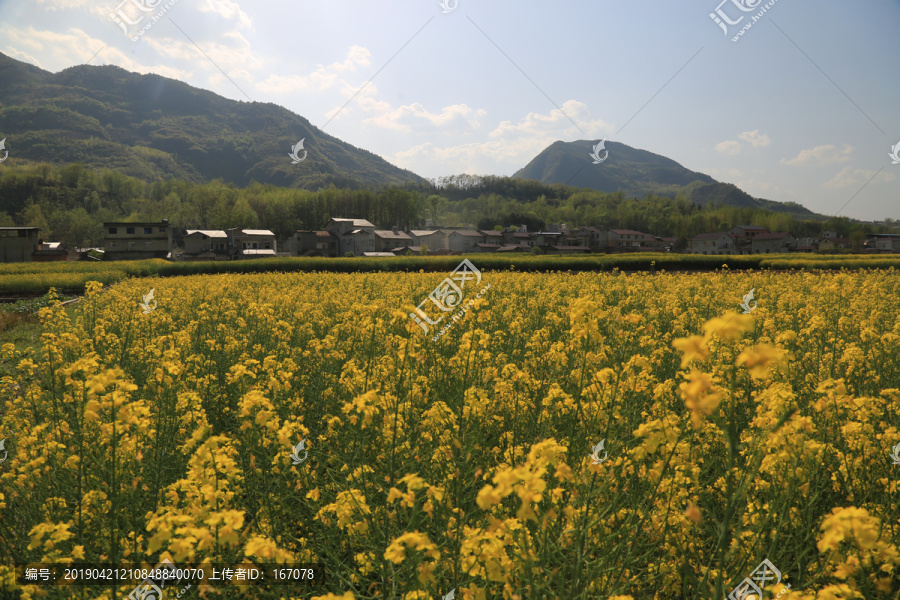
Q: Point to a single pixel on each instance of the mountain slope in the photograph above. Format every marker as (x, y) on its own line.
(632, 171)
(155, 128)
(637, 173)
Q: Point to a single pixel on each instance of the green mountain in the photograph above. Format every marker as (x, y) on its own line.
(637, 173)
(156, 128)
(626, 169)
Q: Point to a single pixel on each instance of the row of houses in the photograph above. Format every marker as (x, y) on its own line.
(752, 239)
(359, 237)
(23, 244)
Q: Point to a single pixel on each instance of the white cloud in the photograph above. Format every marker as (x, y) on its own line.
(232, 54)
(510, 145)
(24, 57)
(734, 147)
(323, 78)
(415, 118)
(574, 120)
(820, 155)
(227, 9)
(730, 147)
(54, 5)
(727, 174)
(62, 47)
(755, 139)
(850, 176)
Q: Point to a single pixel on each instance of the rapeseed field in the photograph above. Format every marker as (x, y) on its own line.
(576, 436)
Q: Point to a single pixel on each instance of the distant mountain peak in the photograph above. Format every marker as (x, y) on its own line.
(637, 173)
(630, 170)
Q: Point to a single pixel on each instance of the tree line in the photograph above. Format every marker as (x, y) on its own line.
(71, 203)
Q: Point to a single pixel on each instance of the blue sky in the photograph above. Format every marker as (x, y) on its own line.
(803, 107)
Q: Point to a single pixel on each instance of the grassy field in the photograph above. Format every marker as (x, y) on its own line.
(72, 277)
(471, 462)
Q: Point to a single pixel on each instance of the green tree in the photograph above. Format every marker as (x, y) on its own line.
(243, 216)
(856, 240)
(33, 216)
(435, 205)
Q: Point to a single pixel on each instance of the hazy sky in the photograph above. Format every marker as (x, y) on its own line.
(804, 107)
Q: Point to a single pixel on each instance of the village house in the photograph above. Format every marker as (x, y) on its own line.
(354, 235)
(746, 231)
(463, 240)
(546, 239)
(668, 243)
(592, 237)
(712, 243)
(743, 237)
(50, 251)
(807, 244)
(251, 243)
(829, 244)
(205, 244)
(625, 239)
(492, 238)
(386, 240)
(657, 243)
(17, 244)
(432, 238)
(772, 243)
(884, 242)
(137, 241)
(306, 242)
(518, 238)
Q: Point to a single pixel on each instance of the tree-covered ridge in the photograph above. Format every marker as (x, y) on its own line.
(71, 203)
(638, 173)
(157, 128)
(633, 171)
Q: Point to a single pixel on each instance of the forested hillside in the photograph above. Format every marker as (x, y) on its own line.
(637, 173)
(158, 128)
